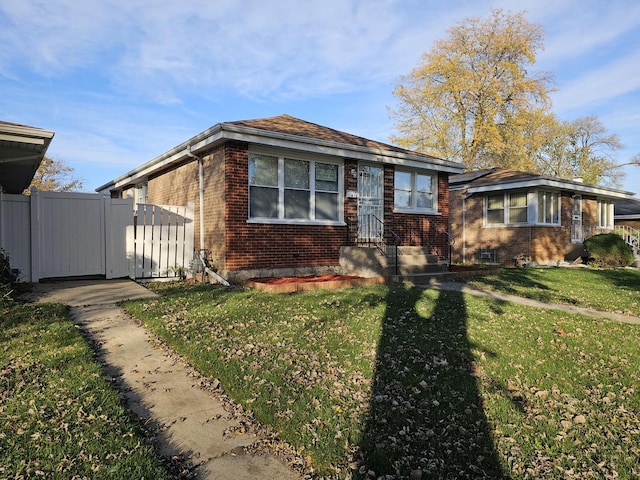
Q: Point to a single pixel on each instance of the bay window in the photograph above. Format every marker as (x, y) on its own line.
(293, 189)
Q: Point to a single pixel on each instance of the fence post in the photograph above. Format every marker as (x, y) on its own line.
(34, 200)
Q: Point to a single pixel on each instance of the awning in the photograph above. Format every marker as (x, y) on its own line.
(21, 151)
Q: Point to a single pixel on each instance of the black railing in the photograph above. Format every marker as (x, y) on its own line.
(373, 232)
(433, 227)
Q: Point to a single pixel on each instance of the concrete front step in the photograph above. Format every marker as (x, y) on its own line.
(369, 261)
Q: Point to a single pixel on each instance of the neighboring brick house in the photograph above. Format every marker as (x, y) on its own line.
(507, 217)
(282, 196)
(627, 213)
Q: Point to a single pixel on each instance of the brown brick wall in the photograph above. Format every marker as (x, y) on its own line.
(544, 244)
(629, 223)
(415, 229)
(179, 186)
(236, 244)
(267, 246)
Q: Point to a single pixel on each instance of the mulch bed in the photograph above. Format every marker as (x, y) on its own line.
(311, 282)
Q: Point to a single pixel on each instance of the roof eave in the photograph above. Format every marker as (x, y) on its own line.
(550, 183)
(226, 131)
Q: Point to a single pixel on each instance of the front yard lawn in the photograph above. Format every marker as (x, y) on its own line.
(60, 417)
(606, 290)
(399, 382)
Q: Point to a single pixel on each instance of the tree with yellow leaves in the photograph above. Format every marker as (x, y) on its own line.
(55, 175)
(473, 98)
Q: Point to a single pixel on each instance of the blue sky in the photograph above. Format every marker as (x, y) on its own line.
(122, 81)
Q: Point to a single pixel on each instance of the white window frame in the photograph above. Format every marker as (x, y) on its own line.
(312, 160)
(556, 220)
(606, 207)
(414, 172)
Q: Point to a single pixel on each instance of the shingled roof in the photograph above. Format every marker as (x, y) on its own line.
(499, 179)
(289, 125)
(287, 132)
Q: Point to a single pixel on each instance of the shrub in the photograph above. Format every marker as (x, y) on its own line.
(608, 250)
(6, 277)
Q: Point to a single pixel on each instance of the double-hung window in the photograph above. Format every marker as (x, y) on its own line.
(548, 208)
(506, 208)
(415, 190)
(288, 189)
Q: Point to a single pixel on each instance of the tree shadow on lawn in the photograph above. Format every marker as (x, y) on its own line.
(426, 418)
(510, 278)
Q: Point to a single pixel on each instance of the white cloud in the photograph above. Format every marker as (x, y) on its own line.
(601, 84)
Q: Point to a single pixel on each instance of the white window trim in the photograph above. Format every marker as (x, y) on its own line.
(505, 210)
(312, 159)
(610, 213)
(434, 183)
(532, 210)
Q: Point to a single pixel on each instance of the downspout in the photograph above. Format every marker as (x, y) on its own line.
(464, 228)
(201, 202)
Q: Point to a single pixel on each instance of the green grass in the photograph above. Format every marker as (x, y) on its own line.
(388, 380)
(606, 290)
(60, 416)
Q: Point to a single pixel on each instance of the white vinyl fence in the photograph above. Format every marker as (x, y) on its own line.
(60, 235)
(163, 242)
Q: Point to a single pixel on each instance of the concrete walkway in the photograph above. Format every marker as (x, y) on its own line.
(464, 288)
(191, 419)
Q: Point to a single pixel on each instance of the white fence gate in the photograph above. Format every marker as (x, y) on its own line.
(59, 235)
(163, 241)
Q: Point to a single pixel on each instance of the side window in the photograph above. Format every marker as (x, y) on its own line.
(495, 209)
(414, 190)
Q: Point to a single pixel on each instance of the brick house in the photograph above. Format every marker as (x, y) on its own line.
(508, 217)
(284, 196)
(627, 213)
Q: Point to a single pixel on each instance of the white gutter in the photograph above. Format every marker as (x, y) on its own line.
(226, 131)
(551, 183)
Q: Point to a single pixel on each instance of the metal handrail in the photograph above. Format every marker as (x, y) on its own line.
(382, 244)
(450, 240)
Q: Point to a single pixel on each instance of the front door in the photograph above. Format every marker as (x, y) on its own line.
(576, 219)
(370, 201)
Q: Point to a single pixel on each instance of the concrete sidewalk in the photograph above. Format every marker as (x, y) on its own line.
(192, 419)
(464, 288)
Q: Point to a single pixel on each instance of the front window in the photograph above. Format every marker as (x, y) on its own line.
(415, 190)
(495, 209)
(506, 208)
(292, 189)
(605, 214)
(518, 208)
(548, 210)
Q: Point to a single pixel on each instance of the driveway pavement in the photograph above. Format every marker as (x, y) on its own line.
(192, 418)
